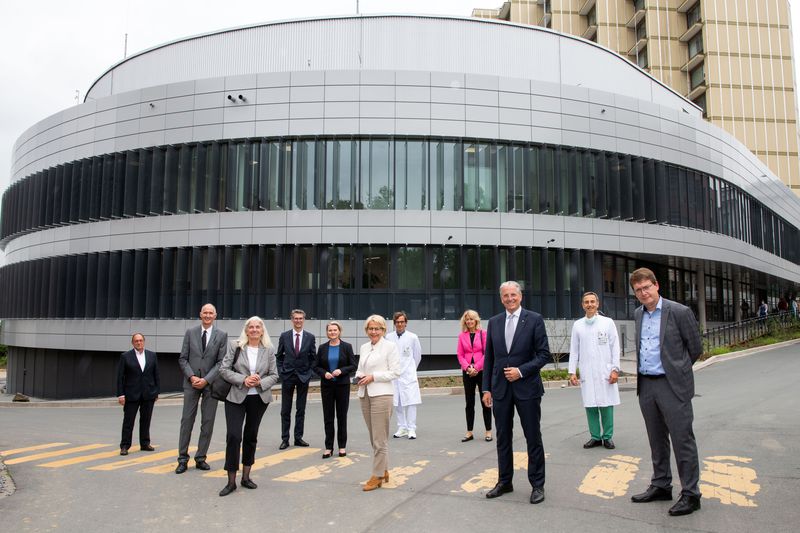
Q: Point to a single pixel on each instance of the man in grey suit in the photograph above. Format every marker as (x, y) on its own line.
(667, 344)
(203, 349)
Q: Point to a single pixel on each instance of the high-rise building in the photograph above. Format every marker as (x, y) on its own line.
(733, 58)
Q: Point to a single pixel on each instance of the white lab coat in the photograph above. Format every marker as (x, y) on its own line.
(594, 350)
(406, 387)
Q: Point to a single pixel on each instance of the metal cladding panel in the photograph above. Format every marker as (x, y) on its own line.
(436, 44)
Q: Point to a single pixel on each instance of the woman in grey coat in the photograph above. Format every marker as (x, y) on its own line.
(250, 368)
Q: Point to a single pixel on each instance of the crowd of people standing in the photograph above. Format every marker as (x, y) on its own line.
(502, 362)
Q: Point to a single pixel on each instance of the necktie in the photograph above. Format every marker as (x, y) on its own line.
(297, 343)
(204, 340)
(509, 332)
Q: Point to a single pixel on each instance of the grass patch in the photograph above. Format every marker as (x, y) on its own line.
(3, 356)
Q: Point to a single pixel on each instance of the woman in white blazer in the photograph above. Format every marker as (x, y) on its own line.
(378, 365)
(250, 368)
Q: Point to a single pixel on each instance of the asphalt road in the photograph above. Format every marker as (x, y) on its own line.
(69, 477)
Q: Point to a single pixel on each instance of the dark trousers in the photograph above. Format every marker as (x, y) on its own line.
(287, 392)
(249, 413)
(145, 409)
(469, 394)
(530, 415)
(667, 417)
(335, 401)
(208, 405)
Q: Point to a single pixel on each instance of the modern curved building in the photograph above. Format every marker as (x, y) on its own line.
(368, 164)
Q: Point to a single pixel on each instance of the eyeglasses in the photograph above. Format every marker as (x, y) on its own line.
(645, 288)
(374, 329)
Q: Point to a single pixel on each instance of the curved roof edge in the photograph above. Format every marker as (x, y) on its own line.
(386, 15)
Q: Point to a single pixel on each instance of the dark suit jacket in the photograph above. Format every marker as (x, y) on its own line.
(296, 364)
(132, 382)
(530, 351)
(348, 363)
(193, 361)
(680, 346)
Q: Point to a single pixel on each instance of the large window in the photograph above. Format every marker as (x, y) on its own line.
(389, 173)
(696, 45)
(693, 15)
(697, 77)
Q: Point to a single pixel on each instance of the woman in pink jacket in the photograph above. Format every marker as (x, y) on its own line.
(471, 344)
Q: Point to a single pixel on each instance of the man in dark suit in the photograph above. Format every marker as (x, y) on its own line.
(203, 348)
(137, 390)
(295, 356)
(516, 349)
(667, 344)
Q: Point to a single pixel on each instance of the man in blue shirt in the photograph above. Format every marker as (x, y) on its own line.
(667, 344)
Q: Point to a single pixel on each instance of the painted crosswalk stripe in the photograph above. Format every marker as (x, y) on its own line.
(15, 451)
(488, 478)
(318, 471)
(84, 458)
(145, 458)
(725, 479)
(63, 451)
(399, 475)
(272, 460)
(170, 467)
(611, 477)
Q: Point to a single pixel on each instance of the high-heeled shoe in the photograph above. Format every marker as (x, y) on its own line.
(372, 483)
(327, 454)
(342, 453)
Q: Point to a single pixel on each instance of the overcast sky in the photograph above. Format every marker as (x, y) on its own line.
(50, 49)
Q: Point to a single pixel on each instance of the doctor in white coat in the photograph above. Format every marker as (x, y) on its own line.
(594, 351)
(406, 387)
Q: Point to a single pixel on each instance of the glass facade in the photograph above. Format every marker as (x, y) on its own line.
(330, 281)
(390, 173)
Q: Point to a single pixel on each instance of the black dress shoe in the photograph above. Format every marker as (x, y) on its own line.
(468, 438)
(202, 465)
(327, 455)
(592, 443)
(300, 442)
(686, 505)
(146, 448)
(248, 484)
(537, 495)
(284, 445)
(608, 444)
(500, 489)
(181, 468)
(342, 454)
(227, 490)
(123, 451)
(652, 494)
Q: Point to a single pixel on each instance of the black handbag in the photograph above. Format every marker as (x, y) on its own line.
(220, 387)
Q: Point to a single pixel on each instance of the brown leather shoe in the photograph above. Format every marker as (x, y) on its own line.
(372, 483)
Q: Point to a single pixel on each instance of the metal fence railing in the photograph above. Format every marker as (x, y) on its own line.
(739, 332)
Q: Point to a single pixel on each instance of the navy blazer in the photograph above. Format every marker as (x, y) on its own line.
(296, 364)
(530, 351)
(135, 384)
(348, 363)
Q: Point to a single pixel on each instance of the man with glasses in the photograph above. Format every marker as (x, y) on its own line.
(667, 344)
(406, 386)
(295, 356)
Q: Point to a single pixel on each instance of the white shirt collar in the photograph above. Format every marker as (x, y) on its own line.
(515, 313)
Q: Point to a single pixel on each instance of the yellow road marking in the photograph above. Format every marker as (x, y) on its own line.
(15, 451)
(318, 471)
(611, 477)
(488, 478)
(84, 458)
(147, 457)
(170, 467)
(272, 460)
(723, 479)
(398, 476)
(64, 451)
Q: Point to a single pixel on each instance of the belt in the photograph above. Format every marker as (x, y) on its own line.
(652, 376)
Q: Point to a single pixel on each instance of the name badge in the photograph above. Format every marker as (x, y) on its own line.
(602, 338)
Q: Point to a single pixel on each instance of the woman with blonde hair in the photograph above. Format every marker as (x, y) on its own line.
(378, 365)
(250, 368)
(471, 345)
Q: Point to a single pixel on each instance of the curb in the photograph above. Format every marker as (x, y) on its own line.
(743, 353)
(7, 485)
